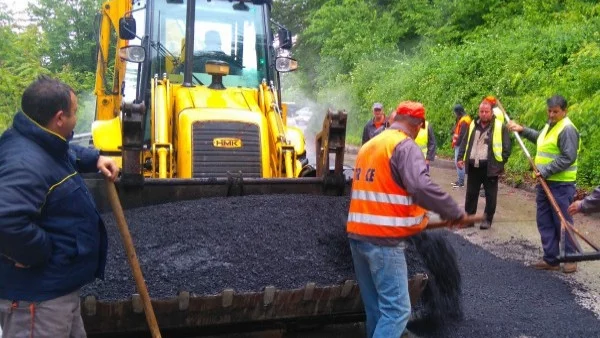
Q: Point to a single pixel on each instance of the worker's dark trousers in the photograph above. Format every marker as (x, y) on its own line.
(475, 178)
(548, 222)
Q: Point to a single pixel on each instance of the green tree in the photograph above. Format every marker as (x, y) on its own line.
(69, 26)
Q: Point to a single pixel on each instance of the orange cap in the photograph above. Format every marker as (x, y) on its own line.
(491, 99)
(412, 109)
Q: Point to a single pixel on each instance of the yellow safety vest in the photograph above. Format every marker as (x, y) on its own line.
(498, 113)
(548, 151)
(496, 140)
(423, 138)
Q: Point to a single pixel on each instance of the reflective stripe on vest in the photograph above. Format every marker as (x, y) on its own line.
(466, 119)
(423, 138)
(499, 114)
(496, 140)
(548, 151)
(379, 206)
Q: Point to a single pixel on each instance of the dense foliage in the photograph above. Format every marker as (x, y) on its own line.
(353, 53)
(61, 44)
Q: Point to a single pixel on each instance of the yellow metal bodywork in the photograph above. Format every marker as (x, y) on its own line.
(204, 104)
(107, 137)
(112, 127)
(108, 103)
(184, 141)
(173, 109)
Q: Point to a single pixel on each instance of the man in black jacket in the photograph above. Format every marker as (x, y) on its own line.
(52, 239)
(483, 154)
(377, 122)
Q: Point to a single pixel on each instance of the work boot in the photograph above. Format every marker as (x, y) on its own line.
(485, 224)
(543, 265)
(569, 267)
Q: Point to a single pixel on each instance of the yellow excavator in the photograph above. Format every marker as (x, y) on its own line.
(188, 104)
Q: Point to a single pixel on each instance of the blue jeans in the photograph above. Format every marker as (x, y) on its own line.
(460, 172)
(548, 222)
(383, 280)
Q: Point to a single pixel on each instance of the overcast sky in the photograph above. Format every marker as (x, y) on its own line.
(16, 5)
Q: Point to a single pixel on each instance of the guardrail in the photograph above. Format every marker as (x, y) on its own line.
(82, 139)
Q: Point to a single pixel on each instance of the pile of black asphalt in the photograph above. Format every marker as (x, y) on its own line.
(241, 243)
(504, 298)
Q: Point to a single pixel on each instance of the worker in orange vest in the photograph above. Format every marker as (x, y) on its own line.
(391, 193)
(461, 127)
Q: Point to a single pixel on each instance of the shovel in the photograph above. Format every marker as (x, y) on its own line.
(459, 225)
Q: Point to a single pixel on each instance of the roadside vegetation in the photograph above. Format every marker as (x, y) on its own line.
(354, 52)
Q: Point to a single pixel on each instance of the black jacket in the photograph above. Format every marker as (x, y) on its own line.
(494, 168)
(48, 219)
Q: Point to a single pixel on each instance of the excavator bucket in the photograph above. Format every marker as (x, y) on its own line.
(159, 191)
(270, 308)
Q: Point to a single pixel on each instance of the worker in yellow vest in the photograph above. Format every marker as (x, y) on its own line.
(426, 141)
(483, 155)
(558, 145)
(391, 193)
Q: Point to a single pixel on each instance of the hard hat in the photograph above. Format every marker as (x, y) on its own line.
(412, 109)
(491, 99)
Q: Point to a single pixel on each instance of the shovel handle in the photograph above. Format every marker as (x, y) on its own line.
(458, 224)
(134, 263)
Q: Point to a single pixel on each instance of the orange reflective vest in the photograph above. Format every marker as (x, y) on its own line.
(466, 119)
(379, 206)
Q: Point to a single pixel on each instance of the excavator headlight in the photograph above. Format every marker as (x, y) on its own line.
(135, 54)
(285, 64)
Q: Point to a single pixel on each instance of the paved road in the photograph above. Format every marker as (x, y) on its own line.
(514, 236)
